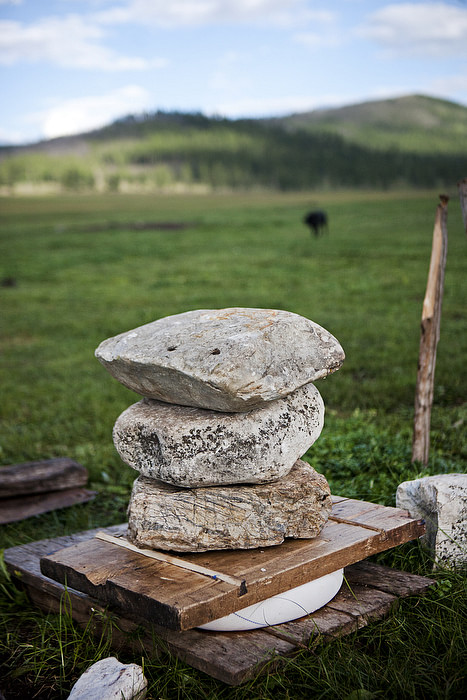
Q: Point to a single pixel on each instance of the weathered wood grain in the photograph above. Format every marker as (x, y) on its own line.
(429, 336)
(398, 583)
(322, 625)
(42, 476)
(232, 657)
(169, 596)
(15, 509)
(362, 603)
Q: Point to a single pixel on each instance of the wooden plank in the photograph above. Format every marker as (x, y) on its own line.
(181, 600)
(155, 590)
(23, 561)
(15, 509)
(399, 583)
(363, 603)
(42, 476)
(232, 658)
(322, 626)
(169, 559)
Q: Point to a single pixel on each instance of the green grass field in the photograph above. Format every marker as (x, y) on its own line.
(82, 274)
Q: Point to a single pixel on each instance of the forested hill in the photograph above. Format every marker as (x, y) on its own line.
(333, 148)
(415, 123)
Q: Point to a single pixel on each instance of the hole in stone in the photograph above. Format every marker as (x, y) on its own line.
(216, 352)
(171, 348)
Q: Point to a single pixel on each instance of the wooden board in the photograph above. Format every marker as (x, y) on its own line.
(233, 657)
(171, 597)
(15, 509)
(41, 476)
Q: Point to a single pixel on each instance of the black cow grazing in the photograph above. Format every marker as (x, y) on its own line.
(317, 221)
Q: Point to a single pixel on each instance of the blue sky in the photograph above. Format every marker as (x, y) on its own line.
(68, 66)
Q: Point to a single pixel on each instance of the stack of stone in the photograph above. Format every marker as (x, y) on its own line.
(228, 410)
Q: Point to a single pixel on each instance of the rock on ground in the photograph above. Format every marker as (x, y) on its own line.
(442, 502)
(192, 447)
(108, 679)
(223, 359)
(161, 516)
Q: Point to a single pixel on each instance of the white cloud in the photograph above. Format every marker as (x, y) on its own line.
(419, 29)
(70, 41)
(318, 40)
(86, 113)
(324, 32)
(201, 12)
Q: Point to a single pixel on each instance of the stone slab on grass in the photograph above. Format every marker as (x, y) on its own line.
(222, 359)
(442, 502)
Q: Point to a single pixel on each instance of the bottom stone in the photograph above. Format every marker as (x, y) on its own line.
(161, 516)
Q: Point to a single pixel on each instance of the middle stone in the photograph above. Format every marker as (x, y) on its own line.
(194, 447)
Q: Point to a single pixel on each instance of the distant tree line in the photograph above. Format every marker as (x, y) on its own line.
(165, 148)
(272, 156)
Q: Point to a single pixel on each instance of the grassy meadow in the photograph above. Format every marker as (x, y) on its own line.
(74, 270)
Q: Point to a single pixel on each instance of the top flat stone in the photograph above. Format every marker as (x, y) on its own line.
(223, 359)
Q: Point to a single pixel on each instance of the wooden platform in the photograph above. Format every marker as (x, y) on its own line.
(369, 594)
(173, 597)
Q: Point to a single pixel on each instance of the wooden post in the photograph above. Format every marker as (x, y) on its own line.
(430, 329)
(462, 185)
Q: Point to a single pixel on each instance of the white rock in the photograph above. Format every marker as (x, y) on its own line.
(442, 502)
(109, 679)
(223, 359)
(193, 447)
(229, 517)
